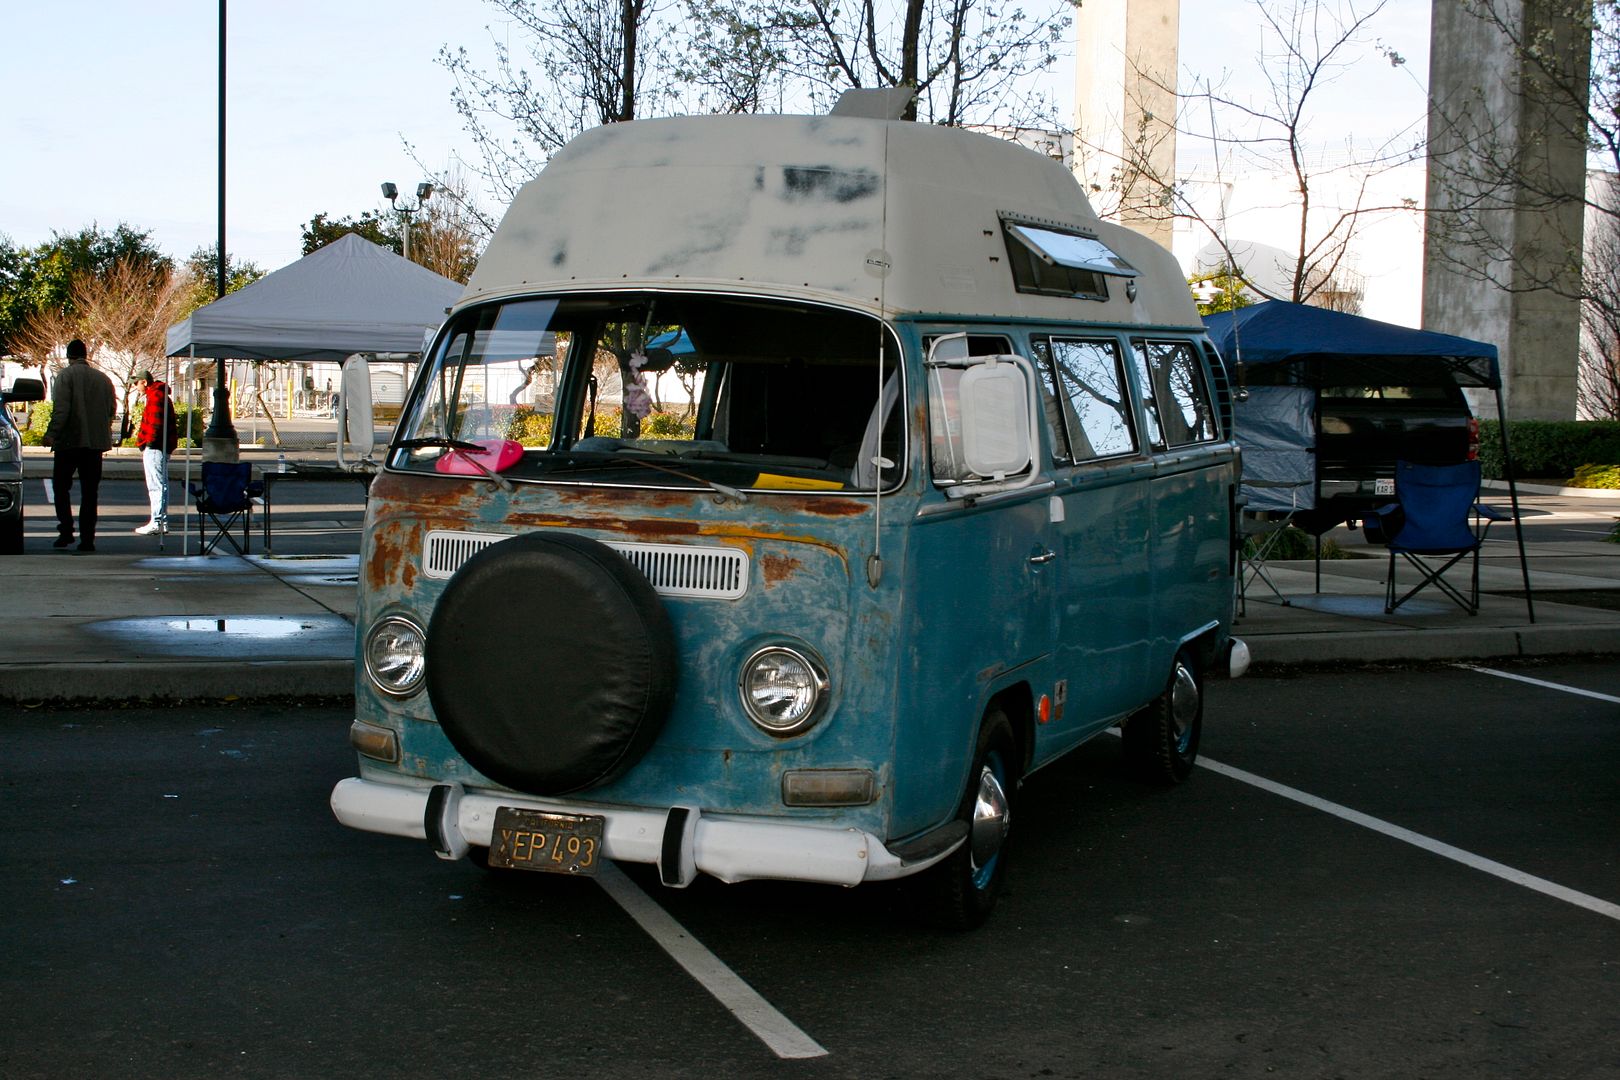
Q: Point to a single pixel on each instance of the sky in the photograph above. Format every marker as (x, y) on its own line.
(112, 116)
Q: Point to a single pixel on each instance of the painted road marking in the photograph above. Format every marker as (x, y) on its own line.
(1542, 683)
(1435, 847)
(755, 1013)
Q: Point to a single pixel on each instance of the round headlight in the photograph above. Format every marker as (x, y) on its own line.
(782, 689)
(396, 655)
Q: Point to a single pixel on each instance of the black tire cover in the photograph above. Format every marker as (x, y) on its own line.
(550, 663)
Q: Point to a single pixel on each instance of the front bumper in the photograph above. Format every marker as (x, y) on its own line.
(680, 841)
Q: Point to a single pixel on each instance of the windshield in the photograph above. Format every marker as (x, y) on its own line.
(664, 390)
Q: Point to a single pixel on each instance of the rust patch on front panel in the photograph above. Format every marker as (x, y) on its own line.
(778, 568)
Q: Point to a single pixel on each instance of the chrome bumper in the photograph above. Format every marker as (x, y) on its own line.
(680, 841)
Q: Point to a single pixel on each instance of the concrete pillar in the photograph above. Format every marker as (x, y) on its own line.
(1125, 105)
(1507, 168)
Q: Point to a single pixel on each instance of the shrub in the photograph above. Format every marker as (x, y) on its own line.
(1597, 476)
(529, 427)
(1295, 544)
(1549, 449)
(668, 425)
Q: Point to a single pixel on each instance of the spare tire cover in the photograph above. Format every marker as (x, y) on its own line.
(550, 663)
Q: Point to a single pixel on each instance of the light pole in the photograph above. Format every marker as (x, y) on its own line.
(424, 192)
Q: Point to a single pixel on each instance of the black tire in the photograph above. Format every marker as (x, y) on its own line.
(960, 891)
(588, 691)
(1161, 741)
(11, 538)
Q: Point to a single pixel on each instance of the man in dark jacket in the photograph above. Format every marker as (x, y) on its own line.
(82, 405)
(158, 435)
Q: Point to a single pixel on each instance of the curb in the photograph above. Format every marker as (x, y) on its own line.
(1385, 646)
(1547, 489)
(108, 681)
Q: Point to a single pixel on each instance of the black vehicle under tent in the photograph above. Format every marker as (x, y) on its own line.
(1281, 357)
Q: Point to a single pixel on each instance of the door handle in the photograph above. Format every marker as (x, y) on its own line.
(1043, 557)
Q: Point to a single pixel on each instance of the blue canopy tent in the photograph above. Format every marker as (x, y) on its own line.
(1280, 354)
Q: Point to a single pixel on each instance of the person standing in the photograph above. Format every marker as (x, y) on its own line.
(159, 434)
(82, 405)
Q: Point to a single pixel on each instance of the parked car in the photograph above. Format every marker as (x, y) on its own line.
(11, 477)
(1362, 431)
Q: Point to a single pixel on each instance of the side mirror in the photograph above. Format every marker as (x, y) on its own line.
(995, 419)
(356, 425)
(982, 420)
(24, 390)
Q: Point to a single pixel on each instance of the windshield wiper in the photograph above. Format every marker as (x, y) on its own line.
(468, 449)
(629, 459)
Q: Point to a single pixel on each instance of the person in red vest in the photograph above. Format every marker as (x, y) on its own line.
(159, 434)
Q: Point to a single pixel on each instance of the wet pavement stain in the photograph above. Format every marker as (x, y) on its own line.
(246, 637)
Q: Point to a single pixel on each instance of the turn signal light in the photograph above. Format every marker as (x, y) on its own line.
(374, 742)
(828, 787)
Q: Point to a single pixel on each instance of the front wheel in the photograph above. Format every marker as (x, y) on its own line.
(11, 537)
(960, 891)
(1161, 741)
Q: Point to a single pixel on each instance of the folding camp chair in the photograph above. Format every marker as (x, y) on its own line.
(1259, 533)
(1436, 516)
(226, 496)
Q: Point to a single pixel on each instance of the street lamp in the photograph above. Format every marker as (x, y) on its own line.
(424, 192)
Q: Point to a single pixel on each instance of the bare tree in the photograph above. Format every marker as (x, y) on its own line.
(43, 336)
(1307, 45)
(449, 233)
(1598, 387)
(561, 66)
(126, 312)
(578, 63)
(970, 61)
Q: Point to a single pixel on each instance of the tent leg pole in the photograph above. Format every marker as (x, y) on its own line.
(1513, 498)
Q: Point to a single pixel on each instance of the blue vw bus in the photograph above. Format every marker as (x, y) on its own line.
(941, 488)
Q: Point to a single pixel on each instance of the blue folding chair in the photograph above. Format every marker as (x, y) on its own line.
(226, 496)
(1436, 516)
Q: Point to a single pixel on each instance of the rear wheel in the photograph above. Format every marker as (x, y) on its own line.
(959, 892)
(1161, 741)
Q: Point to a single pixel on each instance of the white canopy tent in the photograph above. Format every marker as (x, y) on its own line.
(349, 297)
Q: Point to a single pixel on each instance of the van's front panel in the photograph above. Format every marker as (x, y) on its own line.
(752, 514)
(799, 589)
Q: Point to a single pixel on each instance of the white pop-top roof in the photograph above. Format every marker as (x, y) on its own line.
(890, 216)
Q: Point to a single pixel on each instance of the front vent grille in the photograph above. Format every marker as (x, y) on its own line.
(716, 573)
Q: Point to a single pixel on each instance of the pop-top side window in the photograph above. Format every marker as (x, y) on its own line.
(1054, 263)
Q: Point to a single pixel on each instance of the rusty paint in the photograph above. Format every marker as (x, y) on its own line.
(777, 568)
(390, 549)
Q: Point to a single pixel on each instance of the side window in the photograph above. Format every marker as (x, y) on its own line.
(1150, 405)
(944, 419)
(1185, 412)
(1089, 381)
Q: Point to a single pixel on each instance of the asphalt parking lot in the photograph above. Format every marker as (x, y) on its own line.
(181, 903)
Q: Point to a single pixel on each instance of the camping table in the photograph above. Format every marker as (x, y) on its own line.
(306, 474)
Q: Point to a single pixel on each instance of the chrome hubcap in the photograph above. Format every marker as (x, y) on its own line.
(991, 820)
(1183, 705)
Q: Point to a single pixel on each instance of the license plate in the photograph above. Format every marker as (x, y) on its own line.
(1384, 487)
(554, 843)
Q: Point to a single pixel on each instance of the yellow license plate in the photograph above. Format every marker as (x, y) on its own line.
(553, 843)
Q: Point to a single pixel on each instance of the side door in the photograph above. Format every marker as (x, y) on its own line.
(980, 570)
(1191, 494)
(1102, 535)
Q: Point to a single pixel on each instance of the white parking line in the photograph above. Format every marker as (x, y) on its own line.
(1542, 683)
(1445, 851)
(758, 1015)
